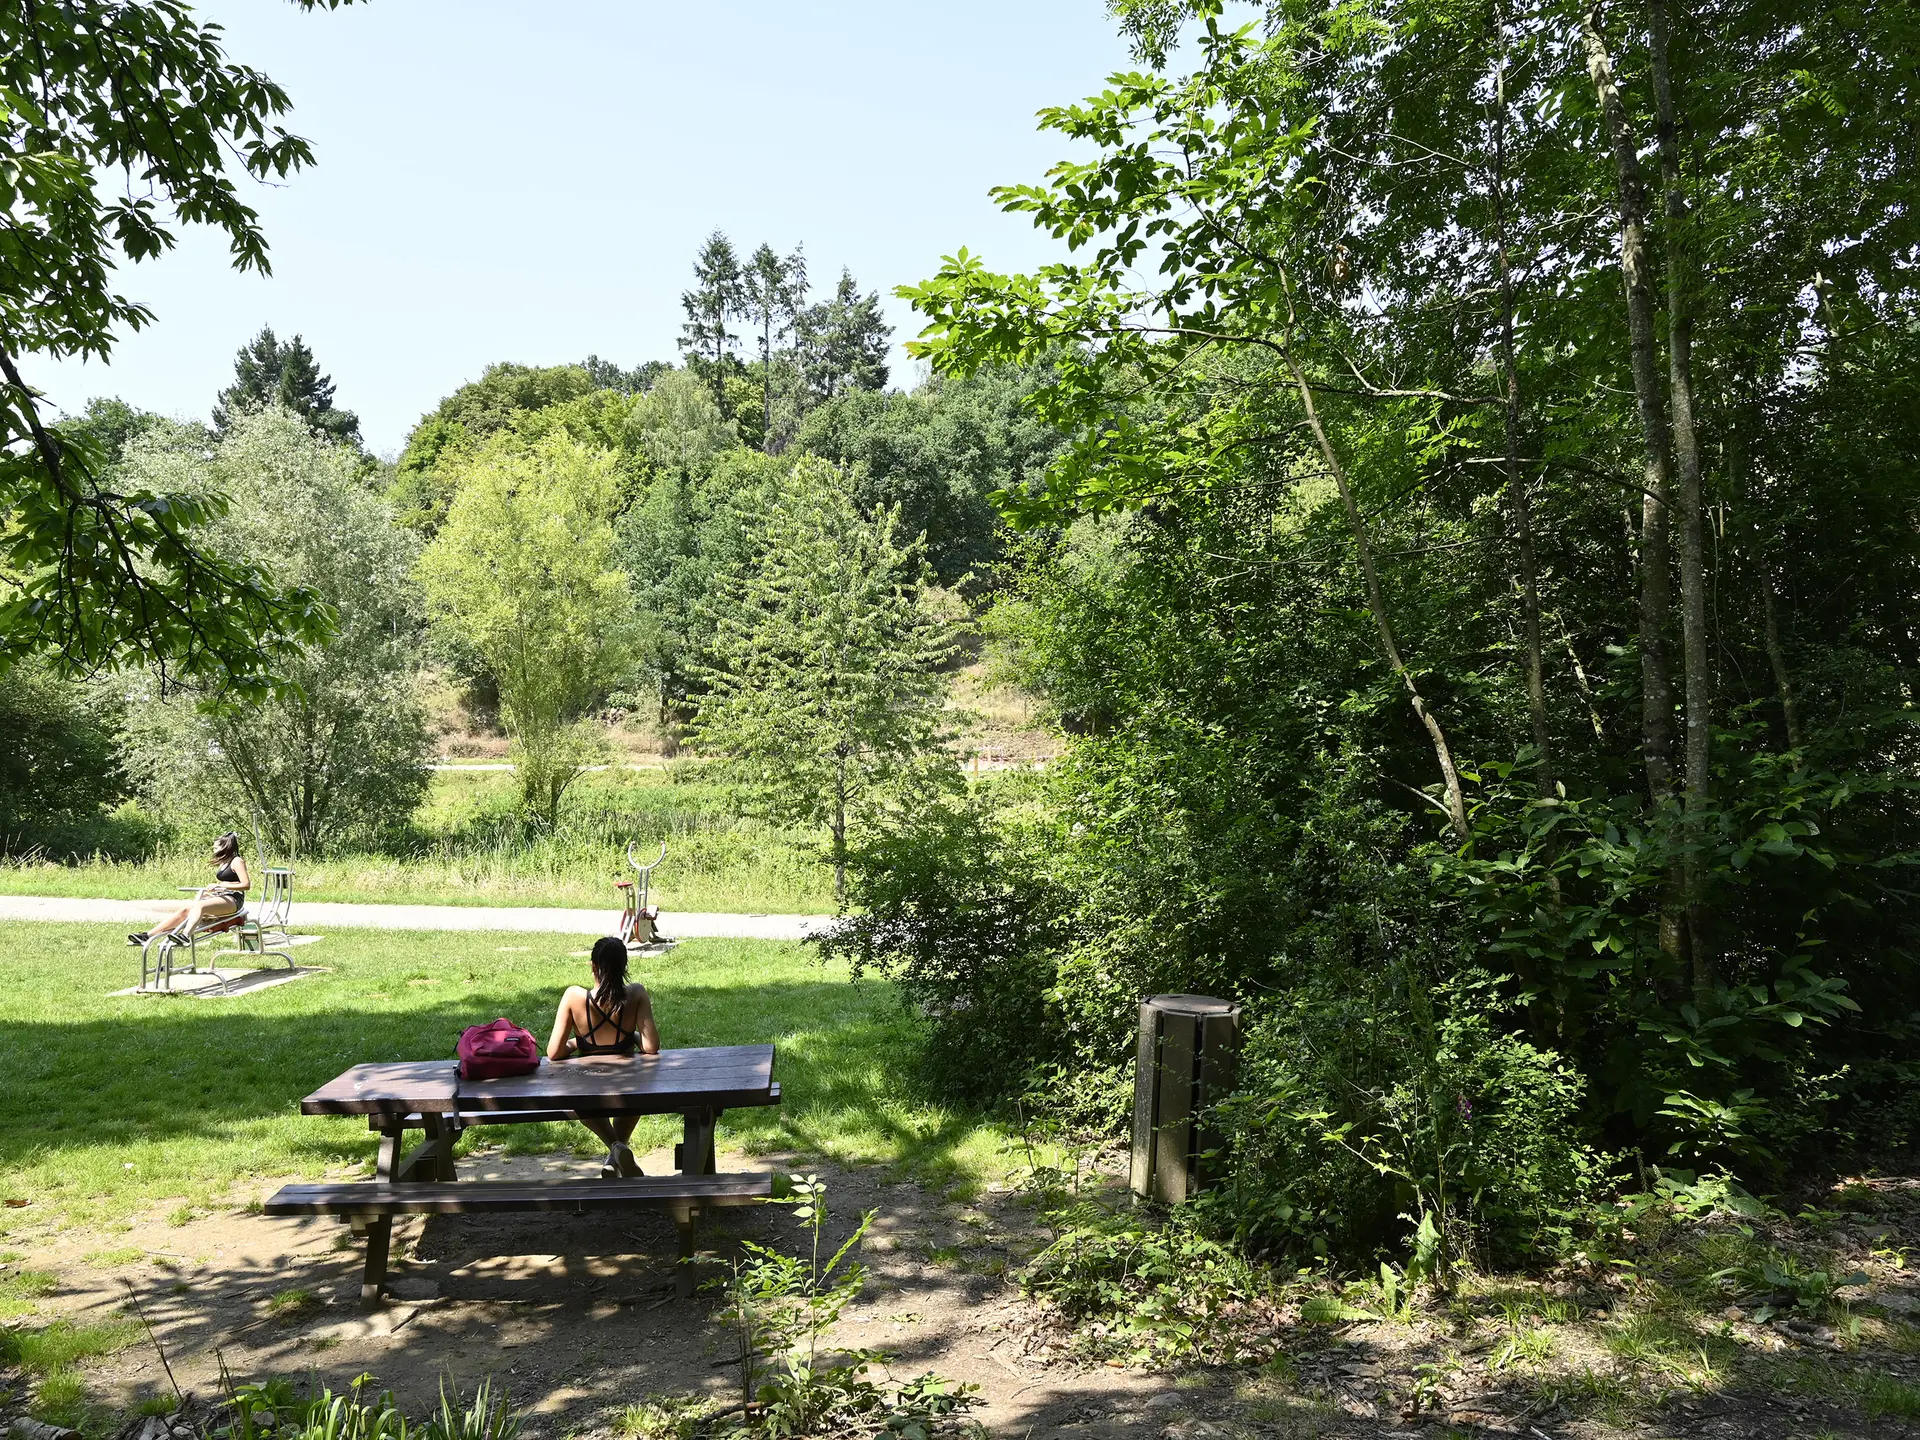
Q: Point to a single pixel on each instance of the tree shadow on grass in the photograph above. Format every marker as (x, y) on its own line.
(227, 1076)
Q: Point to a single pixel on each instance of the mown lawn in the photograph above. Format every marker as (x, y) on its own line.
(466, 847)
(109, 1104)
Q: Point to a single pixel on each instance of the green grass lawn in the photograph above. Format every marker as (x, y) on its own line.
(467, 848)
(111, 1104)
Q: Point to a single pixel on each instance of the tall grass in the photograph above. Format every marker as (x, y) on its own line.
(467, 846)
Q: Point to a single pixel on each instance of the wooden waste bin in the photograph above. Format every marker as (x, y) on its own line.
(1189, 1055)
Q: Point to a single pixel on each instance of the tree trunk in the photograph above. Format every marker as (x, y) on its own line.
(1516, 482)
(1777, 658)
(766, 385)
(1656, 599)
(1582, 683)
(840, 827)
(1450, 774)
(249, 771)
(1686, 445)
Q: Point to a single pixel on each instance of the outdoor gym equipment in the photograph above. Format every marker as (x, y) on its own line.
(639, 921)
(258, 933)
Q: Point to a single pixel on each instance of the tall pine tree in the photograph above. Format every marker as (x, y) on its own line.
(843, 342)
(774, 291)
(268, 372)
(716, 298)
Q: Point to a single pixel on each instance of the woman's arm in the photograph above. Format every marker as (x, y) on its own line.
(240, 885)
(558, 1045)
(649, 1034)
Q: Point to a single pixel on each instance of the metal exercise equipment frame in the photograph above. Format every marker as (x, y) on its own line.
(639, 921)
(262, 933)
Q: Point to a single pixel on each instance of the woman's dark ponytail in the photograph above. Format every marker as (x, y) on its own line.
(610, 968)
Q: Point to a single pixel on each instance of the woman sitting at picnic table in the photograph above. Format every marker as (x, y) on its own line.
(214, 902)
(613, 1018)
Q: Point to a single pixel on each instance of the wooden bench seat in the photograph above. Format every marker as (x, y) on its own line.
(682, 1196)
(464, 1197)
(464, 1119)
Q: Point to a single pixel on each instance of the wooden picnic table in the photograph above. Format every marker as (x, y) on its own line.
(429, 1095)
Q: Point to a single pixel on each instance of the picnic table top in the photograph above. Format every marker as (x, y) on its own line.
(721, 1077)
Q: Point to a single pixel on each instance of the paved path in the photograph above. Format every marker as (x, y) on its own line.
(310, 915)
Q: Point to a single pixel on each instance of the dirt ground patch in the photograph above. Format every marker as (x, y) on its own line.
(575, 1316)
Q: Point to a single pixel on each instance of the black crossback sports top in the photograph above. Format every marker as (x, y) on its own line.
(226, 874)
(623, 1037)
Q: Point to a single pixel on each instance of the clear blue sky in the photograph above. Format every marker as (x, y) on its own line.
(529, 182)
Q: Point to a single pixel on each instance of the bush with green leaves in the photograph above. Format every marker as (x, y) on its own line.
(949, 898)
(1776, 1282)
(338, 755)
(280, 1409)
(1381, 1110)
(1414, 599)
(60, 769)
(1148, 1290)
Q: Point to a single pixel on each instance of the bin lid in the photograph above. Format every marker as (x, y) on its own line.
(1192, 1004)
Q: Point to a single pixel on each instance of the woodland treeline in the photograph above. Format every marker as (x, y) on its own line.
(565, 544)
(1454, 496)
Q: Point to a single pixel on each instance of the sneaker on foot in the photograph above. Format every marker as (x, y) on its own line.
(137, 937)
(622, 1157)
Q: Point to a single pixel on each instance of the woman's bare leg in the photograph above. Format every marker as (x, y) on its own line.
(172, 922)
(205, 910)
(614, 1134)
(620, 1130)
(600, 1127)
(188, 920)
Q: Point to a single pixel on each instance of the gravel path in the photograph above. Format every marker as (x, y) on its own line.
(311, 915)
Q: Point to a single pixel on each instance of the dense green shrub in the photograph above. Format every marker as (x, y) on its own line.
(1396, 708)
(1139, 1290)
(1793, 1053)
(59, 768)
(950, 899)
(1371, 1098)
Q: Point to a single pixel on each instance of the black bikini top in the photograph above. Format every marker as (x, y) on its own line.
(624, 1038)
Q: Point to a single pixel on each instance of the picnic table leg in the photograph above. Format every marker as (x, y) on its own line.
(694, 1154)
(453, 1130)
(434, 1159)
(380, 1228)
(441, 1136)
(683, 1213)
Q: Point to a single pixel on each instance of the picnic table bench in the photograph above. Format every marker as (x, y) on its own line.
(430, 1096)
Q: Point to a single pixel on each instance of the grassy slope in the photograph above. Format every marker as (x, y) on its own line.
(466, 850)
(109, 1104)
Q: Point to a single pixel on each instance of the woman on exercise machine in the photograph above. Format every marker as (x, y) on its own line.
(214, 902)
